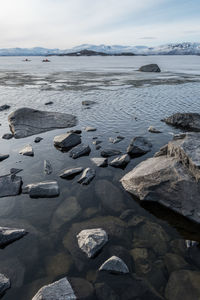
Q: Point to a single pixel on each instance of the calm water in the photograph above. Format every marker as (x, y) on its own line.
(127, 103)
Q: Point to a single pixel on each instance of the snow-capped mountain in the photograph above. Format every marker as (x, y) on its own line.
(169, 49)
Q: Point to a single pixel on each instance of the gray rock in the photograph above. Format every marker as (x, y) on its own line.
(91, 241)
(4, 284)
(97, 142)
(59, 290)
(77, 131)
(87, 176)
(110, 152)
(38, 139)
(26, 121)
(3, 156)
(150, 68)
(139, 146)
(120, 161)
(45, 189)
(162, 151)
(47, 167)
(15, 171)
(153, 130)
(4, 107)
(116, 140)
(80, 150)
(7, 136)
(27, 151)
(100, 161)
(71, 172)
(114, 265)
(88, 102)
(67, 141)
(89, 128)
(188, 121)
(48, 103)
(10, 185)
(9, 235)
(98, 147)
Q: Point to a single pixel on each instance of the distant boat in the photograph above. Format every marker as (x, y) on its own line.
(45, 60)
(26, 59)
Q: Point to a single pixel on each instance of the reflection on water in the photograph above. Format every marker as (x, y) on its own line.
(144, 237)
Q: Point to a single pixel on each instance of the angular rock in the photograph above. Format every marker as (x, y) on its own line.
(27, 151)
(139, 146)
(4, 107)
(97, 142)
(71, 172)
(7, 136)
(77, 131)
(38, 139)
(48, 103)
(4, 284)
(100, 161)
(27, 121)
(9, 235)
(150, 68)
(114, 265)
(120, 161)
(116, 140)
(59, 290)
(91, 241)
(88, 102)
(110, 152)
(47, 167)
(10, 185)
(153, 130)
(89, 128)
(3, 156)
(87, 176)
(45, 189)
(80, 150)
(188, 121)
(162, 151)
(67, 141)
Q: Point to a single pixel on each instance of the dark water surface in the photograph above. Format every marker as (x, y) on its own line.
(127, 103)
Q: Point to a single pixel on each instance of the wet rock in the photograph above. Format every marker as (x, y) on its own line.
(45, 189)
(162, 151)
(4, 284)
(96, 142)
(124, 254)
(114, 265)
(27, 151)
(80, 150)
(120, 161)
(183, 284)
(91, 241)
(67, 141)
(59, 290)
(83, 289)
(38, 139)
(139, 146)
(88, 102)
(15, 171)
(3, 156)
(100, 161)
(103, 291)
(9, 235)
(47, 167)
(10, 185)
(153, 130)
(69, 173)
(110, 152)
(77, 131)
(27, 121)
(48, 103)
(150, 68)
(188, 121)
(4, 107)
(89, 128)
(87, 176)
(15, 270)
(7, 136)
(116, 140)
(175, 262)
(98, 147)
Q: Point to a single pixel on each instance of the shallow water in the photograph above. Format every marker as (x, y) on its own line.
(127, 103)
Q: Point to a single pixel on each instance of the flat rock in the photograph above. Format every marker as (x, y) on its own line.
(188, 121)
(110, 152)
(71, 172)
(7, 136)
(150, 68)
(77, 131)
(47, 167)
(153, 130)
(45, 189)
(80, 150)
(9, 235)
(4, 284)
(114, 265)
(48, 103)
(90, 241)
(120, 161)
(89, 128)
(139, 146)
(4, 107)
(27, 121)
(87, 176)
(3, 156)
(27, 151)
(67, 141)
(88, 102)
(38, 139)
(15, 170)
(100, 161)
(10, 185)
(59, 290)
(116, 140)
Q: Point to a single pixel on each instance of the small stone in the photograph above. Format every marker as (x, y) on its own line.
(110, 152)
(67, 141)
(150, 68)
(114, 265)
(49, 103)
(97, 142)
(88, 128)
(88, 102)
(153, 130)
(87, 176)
(80, 150)
(71, 172)
(100, 161)
(27, 151)
(77, 131)
(47, 167)
(45, 189)
(116, 140)
(10, 185)
(15, 171)
(9, 235)
(4, 284)
(38, 139)
(3, 156)
(98, 147)
(4, 107)
(120, 161)
(139, 146)
(7, 136)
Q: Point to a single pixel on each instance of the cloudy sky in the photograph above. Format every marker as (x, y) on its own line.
(67, 23)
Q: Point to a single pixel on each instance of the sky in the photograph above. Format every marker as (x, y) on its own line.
(67, 23)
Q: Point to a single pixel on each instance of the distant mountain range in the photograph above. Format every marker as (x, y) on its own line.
(89, 50)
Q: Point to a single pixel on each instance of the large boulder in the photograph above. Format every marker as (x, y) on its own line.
(150, 68)
(188, 121)
(27, 121)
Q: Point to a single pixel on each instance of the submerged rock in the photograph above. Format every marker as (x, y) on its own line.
(7, 136)
(88, 102)
(48, 103)
(116, 140)
(27, 151)
(150, 68)
(153, 130)
(27, 121)
(15, 171)
(96, 142)
(45, 189)
(91, 241)
(100, 161)
(4, 107)
(4, 284)
(80, 150)
(114, 265)
(47, 167)
(87, 176)
(71, 172)
(188, 121)
(67, 141)
(120, 161)
(59, 290)
(139, 146)
(38, 139)
(110, 152)
(10, 185)
(9, 235)
(3, 156)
